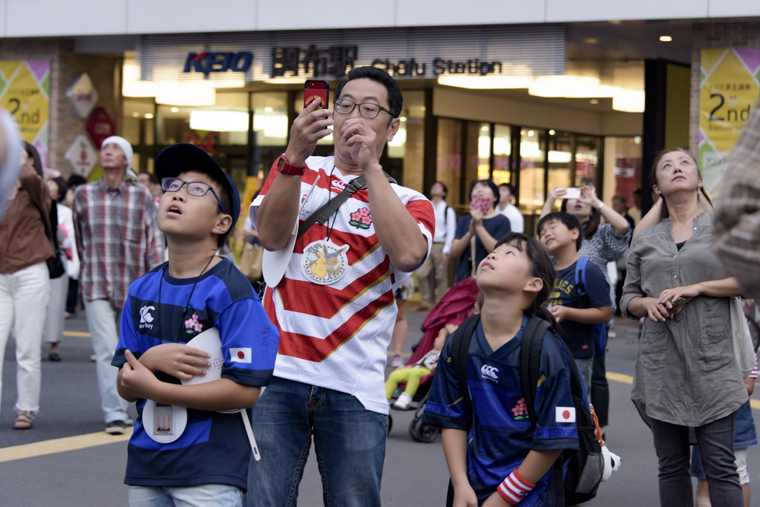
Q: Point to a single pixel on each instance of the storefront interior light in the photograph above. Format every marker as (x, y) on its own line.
(594, 101)
(174, 110)
(148, 116)
(219, 121)
(559, 157)
(551, 132)
(399, 139)
(665, 38)
(287, 80)
(486, 82)
(580, 87)
(135, 114)
(268, 109)
(274, 126)
(402, 118)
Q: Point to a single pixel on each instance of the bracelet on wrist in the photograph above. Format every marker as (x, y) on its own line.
(514, 488)
(289, 169)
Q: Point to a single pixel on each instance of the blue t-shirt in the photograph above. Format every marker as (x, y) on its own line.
(580, 337)
(497, 227)
(500, 438)
(214, 447)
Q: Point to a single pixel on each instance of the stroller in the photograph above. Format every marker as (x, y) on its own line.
(455, 306)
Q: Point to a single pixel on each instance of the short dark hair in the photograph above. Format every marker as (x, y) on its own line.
(76, 179)
(570, 221)
(445, 188)
(220, 188)
(637, 191)
(490, 184)
(62, 187)
(395, 99)
(151, 177)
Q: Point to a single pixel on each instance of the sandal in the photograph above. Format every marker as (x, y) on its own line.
(23, 421)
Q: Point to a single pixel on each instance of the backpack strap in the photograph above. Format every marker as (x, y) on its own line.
(580, 276)
(325, 212)
(460, 346)
(530, 361)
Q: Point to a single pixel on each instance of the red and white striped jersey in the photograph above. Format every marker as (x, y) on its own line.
(336, 336)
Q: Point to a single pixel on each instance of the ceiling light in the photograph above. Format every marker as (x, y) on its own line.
(522, 132)
(268, 109)
(665, 38)
(570, 87)
(486, 82)
(484, 128)
(286, 80)
(402, 118)
(629, 101)
(135, 114)
(148, 116)
(551, 132)
(186, 95)
(219, 121)
(530, 133)
(174, 110)
(594, 101)
(423, 108)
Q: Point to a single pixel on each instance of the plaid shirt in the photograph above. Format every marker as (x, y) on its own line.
(606, 246)
(117, 238)
(736, 230)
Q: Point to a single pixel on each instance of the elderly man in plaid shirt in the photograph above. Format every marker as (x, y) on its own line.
(118, 242)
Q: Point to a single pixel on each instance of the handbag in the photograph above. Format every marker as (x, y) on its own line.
(56, 268)
(250, 261)
(742, 339)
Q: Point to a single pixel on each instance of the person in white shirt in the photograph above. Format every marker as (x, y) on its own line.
(509, 210)
(434, 273)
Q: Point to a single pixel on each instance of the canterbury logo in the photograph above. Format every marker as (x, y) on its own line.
(489, 372)
(145, 316)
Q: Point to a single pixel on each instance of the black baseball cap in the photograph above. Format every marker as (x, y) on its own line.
(184, 157)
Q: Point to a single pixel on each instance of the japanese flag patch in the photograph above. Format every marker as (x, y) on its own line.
(243, 355)
(565, 414)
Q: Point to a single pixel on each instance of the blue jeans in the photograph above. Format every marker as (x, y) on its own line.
(205, 495)
(349, 441)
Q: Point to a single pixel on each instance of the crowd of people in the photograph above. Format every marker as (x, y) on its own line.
(178, 330)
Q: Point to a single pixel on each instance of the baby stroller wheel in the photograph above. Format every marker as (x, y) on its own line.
(422, 432)
(390, 424)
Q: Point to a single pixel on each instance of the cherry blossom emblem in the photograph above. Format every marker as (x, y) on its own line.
(361, 218)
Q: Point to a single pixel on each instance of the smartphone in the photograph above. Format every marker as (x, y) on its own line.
(316, 89)
(480, 203)
(678, 303)
(572, 193)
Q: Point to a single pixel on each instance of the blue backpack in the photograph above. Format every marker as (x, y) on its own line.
(600, 330)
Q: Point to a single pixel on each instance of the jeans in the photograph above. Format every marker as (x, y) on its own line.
(55, 315)
(103, 321)
(716, 443)
(348, 439)
(586, 367)
(205, 495)
(23, 304)
(435, 271)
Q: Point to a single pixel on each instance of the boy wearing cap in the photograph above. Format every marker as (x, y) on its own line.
(118, 242)
(205, 461)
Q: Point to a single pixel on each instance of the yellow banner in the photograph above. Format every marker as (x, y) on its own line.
(25, 93)
(729, 87)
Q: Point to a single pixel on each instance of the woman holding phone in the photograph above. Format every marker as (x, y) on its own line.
(484, 225)
(687, 375)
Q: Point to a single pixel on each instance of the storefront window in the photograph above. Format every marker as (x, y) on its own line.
(270, 127)
(449, 160)
(622, 162)
(502, 149)
(406, 152)
(586, 161)
(560, 156)
(532, 191)
(138, 127)
(223, 124)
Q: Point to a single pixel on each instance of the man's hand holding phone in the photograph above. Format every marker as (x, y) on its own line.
(311, 125)
(360, 138)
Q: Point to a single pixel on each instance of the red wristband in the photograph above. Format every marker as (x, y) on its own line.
(289, 169)
(514, 488)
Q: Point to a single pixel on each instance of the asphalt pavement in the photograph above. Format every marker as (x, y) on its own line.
(415, 474)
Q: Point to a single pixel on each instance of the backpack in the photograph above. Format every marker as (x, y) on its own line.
(577, 474)
(600, 330)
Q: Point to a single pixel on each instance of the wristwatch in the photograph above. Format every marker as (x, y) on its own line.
(289, 169)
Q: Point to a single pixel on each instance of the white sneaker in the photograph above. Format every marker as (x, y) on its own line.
(403, 401)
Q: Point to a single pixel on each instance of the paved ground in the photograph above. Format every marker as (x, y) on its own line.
(415, 474)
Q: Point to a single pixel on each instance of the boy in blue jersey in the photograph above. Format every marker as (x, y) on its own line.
(202, 461)
(578, 301)
(498, 461)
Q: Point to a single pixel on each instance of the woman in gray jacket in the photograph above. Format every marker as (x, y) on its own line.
(686, 372)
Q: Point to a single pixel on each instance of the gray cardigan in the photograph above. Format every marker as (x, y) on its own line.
(686, 370)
